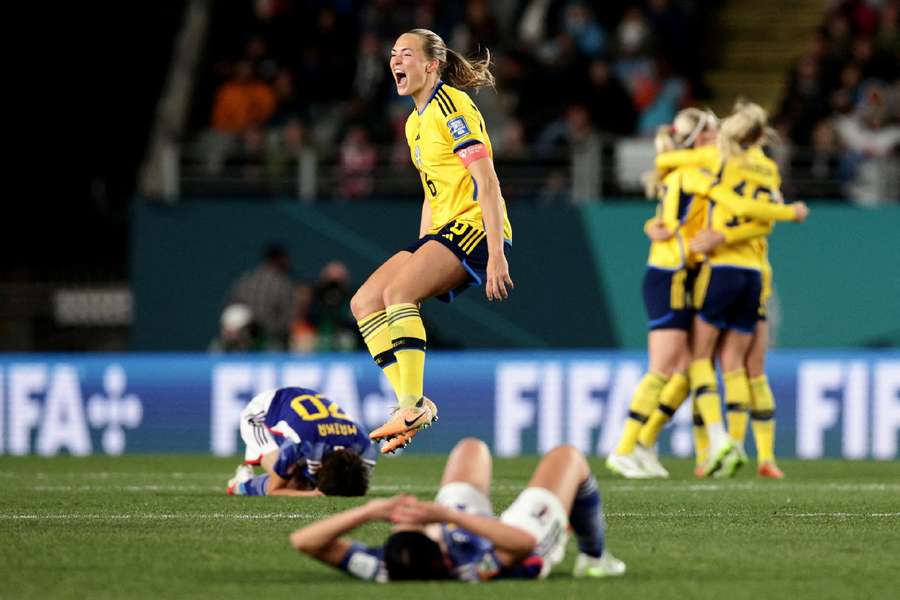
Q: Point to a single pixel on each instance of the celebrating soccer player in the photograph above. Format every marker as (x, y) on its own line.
(305, 443)
(457, 536)
(464, 233)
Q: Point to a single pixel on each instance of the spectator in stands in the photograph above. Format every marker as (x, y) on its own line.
(287, 102)
(820, 171)
(243, 101)
(609, 103)
(356, 166)
(329, 310)
(303, 332)
(581, 25)
(238, 332)
(268, 292)
(283, 150)
(248, 157)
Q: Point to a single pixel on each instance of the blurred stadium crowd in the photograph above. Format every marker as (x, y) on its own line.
(284, 76)
(842, 98)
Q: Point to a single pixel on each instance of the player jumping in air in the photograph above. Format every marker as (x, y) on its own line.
(464, 233)
(457, 536)
(305, 443)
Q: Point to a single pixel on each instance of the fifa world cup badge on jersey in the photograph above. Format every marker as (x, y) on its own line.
(458, 127)
(418, 154)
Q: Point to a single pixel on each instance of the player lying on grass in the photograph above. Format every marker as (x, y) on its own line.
(306, 445)
(457, 536)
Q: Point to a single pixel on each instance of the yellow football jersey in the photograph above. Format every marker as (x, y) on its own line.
(449, 122)
(752, 176)
(682, 208)
(704, 156)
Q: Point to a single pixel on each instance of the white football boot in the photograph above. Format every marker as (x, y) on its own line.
(649, 461)
(733, 461)
(627, 466)
(605, 566)
(242, 474)
(717, 457)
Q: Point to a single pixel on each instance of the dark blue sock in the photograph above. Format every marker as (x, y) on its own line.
(587, 518)
(255, 486)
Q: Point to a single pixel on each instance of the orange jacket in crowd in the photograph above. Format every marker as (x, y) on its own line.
(240, 105)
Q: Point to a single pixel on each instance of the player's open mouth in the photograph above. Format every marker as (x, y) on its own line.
(400, 77)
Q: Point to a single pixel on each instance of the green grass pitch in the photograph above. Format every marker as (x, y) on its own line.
(150, 527)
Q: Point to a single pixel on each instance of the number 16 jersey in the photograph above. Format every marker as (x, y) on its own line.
(438, 138)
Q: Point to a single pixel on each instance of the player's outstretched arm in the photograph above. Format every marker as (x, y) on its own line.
(322, 540)
(516, 542)
(482, 171)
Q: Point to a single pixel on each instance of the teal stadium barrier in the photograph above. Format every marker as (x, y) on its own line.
(577, 271)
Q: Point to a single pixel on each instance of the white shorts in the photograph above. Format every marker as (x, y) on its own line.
(256, 436)
(539, 512)
(465, 497)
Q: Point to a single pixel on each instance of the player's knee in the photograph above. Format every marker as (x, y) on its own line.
(393, 294)
(566, 452)
(298, 541)
(731, 360)
(364, 302)
(472, 445)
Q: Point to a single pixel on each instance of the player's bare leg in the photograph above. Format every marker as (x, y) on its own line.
(566, 474)
(370, 295)
(431, 271)
(469, 462)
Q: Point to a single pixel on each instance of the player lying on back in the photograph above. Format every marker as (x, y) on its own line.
(457, 537)
(306, 445)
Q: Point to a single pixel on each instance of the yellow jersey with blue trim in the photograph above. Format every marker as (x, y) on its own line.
(754, 177)
(705, 156)
(682, 208)
(449, 124)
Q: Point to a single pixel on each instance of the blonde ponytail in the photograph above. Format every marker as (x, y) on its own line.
(471, 74)
(454, 68)
(746, 126)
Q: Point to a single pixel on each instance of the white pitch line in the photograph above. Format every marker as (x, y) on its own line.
(156, 517)
(270, 516)
(128, 488)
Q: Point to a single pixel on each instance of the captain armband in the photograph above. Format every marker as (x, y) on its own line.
(470, 154)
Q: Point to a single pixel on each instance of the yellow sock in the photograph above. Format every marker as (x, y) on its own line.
(762, 413)
(701, 439)
(376, 335)
(737, 403)
(670, 398)
(706, 391)
(408, 336)
(642, 403)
